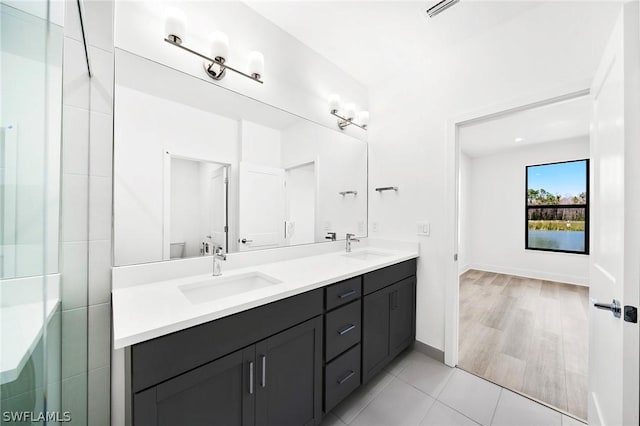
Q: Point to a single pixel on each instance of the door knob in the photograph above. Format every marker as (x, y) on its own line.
(614, 307)
(245, 241)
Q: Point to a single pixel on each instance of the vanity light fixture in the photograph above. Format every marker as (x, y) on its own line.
(440, 7)
(215, 66)
(348, 115)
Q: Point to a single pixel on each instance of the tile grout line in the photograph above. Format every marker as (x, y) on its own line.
(495, 409)
(368, 403)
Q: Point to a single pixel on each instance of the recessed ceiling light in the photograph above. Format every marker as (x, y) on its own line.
(519, 139)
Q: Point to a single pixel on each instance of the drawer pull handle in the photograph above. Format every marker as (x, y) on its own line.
(346, 329)
(347, 294)
(251, 377)
(347, 377)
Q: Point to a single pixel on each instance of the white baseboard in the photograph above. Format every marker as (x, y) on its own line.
(541, 275)
(464, 269)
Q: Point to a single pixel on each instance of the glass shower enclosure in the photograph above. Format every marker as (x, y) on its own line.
(31, 57)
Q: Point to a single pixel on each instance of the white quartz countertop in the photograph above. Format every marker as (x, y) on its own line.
(147, 311)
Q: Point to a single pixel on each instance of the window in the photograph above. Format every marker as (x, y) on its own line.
(557, 212)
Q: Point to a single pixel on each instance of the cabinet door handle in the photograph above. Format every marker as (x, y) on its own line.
(264, 371)
(347, 294)
(347, 377)
(346, 329)
(251, 377)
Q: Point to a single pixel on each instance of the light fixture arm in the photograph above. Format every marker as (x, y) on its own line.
(344, 122)
(211, 63)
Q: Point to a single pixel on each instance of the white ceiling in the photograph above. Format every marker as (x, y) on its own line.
(558, 121)
(369, 39)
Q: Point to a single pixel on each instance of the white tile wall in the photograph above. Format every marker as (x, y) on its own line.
(76, 82)
(74, 342)
(99, 271)
(101, 80)
(99, 397)
(75, 128)
(74, 207)
(74, 275)
(100, 208)
(99, 21)
(86, 213)
(100, 153)
(99, 335)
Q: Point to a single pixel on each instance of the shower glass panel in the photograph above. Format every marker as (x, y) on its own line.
(30, 130)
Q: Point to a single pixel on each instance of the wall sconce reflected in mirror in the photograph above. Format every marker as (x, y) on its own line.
(347, 115)
(215, 66)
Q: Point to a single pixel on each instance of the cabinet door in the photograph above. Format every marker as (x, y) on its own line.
(289, 380)
(218, 393)
(375, 333)
(402, 315)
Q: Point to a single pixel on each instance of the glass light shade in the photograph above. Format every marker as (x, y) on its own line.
(219, 45)
(349, 111)
(334, 102)
(363, 118)
(256, 63)
(175, 23)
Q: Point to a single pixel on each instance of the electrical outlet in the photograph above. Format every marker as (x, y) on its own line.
(375, 227)
(424, 229)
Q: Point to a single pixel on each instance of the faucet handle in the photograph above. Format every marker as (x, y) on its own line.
(219, 251)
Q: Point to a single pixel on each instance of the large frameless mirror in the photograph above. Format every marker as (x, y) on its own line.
(197, 166)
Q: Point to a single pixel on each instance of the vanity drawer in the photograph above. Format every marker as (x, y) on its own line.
(343, 292)
(341, 377)
(376, 280)
(342, 329)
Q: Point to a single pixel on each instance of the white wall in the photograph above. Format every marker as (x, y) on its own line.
(142, 139)
(496, 194)
(410, 113)
(341, 165)
(260, 144)
(296, 77)
(301, 200)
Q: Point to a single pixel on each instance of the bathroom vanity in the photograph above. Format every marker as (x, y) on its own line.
(281, 362)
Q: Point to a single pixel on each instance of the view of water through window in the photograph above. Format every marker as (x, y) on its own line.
(557, 206)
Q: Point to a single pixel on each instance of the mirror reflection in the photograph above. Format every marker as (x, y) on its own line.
(223, 170)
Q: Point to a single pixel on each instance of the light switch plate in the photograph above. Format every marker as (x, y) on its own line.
(423, 229)
(374, 227)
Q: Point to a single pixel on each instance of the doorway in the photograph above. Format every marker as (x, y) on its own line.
(523, 250)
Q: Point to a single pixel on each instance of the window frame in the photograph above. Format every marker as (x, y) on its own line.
(527, 207)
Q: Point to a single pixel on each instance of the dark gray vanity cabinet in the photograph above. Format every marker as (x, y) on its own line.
(216, 393)
(262, 367)
(343, 333)
(289, 380)
(388, 315)
(284, 363)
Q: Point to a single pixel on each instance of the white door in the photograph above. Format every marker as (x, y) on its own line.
(218, 225)
(262, 207)
(614, 254)
(301, 204)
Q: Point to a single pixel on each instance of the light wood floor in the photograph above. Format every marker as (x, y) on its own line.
(528, 335)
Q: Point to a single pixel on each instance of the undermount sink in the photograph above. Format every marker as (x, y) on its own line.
(366, 255)
(220, 287)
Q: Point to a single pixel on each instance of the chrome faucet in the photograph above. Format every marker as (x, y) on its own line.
(218, 255)
(350, 239)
